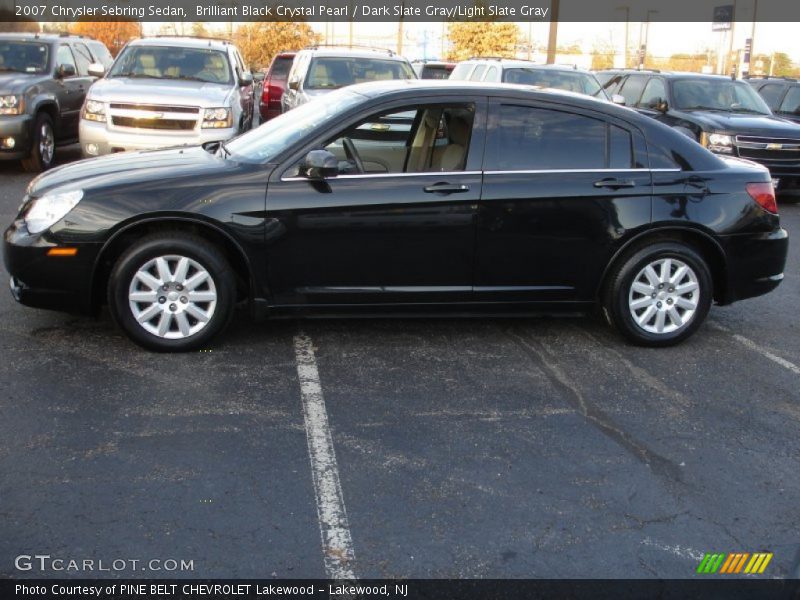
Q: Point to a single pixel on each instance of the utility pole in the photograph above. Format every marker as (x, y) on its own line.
(400, 30)
(552, 39)
(730, 45)
(627, 10)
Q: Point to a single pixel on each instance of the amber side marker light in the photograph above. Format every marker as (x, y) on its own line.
(62, 252)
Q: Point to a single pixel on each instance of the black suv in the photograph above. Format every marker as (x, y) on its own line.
(43, 82)
(781, 94)
(724, 115)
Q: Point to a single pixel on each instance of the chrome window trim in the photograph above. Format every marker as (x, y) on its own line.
(535, 171)
(375, 175)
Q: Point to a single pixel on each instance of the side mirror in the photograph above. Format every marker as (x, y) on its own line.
(618, 99)
(65, 71)
(245, 79)
(294, 84)
(97, 70)
(258, 77)
(661, 105)
(320, 164)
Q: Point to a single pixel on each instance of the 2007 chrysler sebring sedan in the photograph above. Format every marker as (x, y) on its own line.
(406, 196)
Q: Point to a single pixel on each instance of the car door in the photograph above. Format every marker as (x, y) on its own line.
(561, 187)
(398, 231)
(655, 93)
(71, 92)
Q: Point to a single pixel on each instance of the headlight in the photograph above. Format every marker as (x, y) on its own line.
(48, 210)
(94, 111)
(10, 105)
(217, 118)
(717, 142)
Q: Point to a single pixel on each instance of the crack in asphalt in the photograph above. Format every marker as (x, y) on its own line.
(660, 465)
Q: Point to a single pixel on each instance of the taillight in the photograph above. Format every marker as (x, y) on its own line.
(764, 194)
(265, 93)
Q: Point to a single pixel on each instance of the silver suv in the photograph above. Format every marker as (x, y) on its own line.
(168, 92)
(317, 70)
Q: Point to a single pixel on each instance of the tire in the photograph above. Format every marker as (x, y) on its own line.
(190, 266)
(685, 297)
(43, 145)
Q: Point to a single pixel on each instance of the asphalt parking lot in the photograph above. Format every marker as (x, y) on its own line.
(463, 448)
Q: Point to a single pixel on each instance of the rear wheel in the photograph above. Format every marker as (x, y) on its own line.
(172, 293)
(43, 145)
(659, 295)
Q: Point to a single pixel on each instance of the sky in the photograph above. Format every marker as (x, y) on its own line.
(664, 39)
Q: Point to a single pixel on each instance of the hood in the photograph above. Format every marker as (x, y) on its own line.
(130, 167)
(740, 123)
(161, 91)
(12, 82)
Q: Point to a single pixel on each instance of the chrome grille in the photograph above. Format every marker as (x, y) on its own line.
(154, 117)
(768, 148)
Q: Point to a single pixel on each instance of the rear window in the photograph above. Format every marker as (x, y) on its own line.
(436, 72)
(328, 73)
(791, 103)
(571, 81)
(280, 67)
(461, 71)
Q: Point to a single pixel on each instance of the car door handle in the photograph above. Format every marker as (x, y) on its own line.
(446, 188)
(614, 184)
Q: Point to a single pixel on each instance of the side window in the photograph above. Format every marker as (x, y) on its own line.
(791, 103)
(477, 74)
(632, 89)
(491, 74)
(527, 138)
(620, 153)
(461, 71)
(64, 57)
(83, 57)
(654, 92)
(612, 85)
(406, 140)
(771, 93)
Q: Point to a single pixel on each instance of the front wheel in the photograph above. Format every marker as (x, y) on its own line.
(659, 295)
(172, 293)
(43, 145)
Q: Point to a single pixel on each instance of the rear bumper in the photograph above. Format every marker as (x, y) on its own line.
(755, 263)
(19, 128)
(42, 281)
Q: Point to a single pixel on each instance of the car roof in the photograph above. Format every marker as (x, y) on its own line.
(671, 74)
(182, 42)
(353, 51)
(520, 63)
(42, 37)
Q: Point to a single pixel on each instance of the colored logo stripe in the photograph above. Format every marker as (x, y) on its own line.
(734, 563)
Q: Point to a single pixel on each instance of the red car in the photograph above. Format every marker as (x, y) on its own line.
(275, 85)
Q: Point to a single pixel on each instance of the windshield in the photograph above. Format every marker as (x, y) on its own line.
(571, 81)
(717, 94)
(162, 62)
(276, 135)
(327, 73)
(23, 57)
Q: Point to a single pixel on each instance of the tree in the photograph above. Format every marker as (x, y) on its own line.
(114, 34)
(782, 65)
(483, 39)
(260, 41)
(17, 26)
(199, 29)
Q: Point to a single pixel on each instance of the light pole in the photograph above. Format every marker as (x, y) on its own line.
(643, 46)
(553, 37)
(627, 10)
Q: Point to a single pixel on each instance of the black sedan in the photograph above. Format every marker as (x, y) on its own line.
(405, 197)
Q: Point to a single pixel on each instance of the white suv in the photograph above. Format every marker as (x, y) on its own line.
(168, 92)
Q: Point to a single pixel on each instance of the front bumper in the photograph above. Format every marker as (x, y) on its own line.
(61, 283)
(97, 139)
(755, 263)
(18, 127)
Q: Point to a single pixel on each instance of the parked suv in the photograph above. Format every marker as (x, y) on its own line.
(168, 92)
(725, 115)
(43, 81)
(781, 94)
(318, 70)
(275, 85)
(559, 77)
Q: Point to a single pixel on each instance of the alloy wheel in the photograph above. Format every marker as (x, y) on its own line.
(664, 296)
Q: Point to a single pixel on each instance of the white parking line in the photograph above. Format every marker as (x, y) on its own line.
(337, 543)
(756, 348)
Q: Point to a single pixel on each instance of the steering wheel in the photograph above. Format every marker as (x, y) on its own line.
(352, 154)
